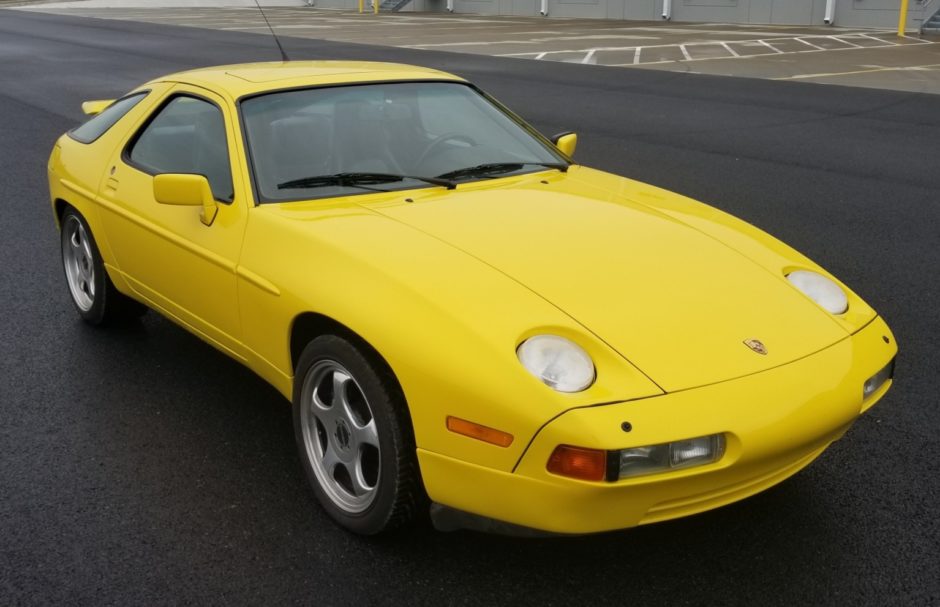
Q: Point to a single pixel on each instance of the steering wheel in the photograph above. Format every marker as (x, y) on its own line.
(440, 139)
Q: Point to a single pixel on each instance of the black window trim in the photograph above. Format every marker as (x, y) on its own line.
(71, 132)
(132, 141)
(256, 191)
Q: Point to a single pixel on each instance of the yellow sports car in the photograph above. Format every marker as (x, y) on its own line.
(465, 320)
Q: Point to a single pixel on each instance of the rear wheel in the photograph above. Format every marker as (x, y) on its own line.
(354, 437)
(95, 297)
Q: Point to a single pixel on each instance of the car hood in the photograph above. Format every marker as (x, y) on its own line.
(677, 303)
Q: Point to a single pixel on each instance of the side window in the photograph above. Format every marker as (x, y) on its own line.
(186, 136)
(98, 125)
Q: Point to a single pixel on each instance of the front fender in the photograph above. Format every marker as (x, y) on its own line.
(447, 324)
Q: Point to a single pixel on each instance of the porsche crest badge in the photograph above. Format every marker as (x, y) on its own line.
(756, 345)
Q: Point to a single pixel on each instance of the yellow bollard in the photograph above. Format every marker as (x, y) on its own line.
(361, 7)
(375, 3)
(902, 19)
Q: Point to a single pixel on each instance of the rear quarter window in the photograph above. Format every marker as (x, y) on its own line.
(99, 125)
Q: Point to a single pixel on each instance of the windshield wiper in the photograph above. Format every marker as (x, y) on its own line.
(359, 180)
(495, 168)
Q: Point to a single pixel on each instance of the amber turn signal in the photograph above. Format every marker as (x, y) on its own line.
(479, 432)
(579, 463)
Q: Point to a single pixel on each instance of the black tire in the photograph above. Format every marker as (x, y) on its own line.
(333, 448)
(93, 294)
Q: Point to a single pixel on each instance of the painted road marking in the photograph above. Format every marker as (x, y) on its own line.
(768, 45)
(876, 39)
(829, 43)
(843, 39)
(615, 45)
(911, 68)
(747, 49)
(717, 49)
(809, 44)
(714, 50)
(678, 30)
(653, 54)
(531, 40)
(729, 49)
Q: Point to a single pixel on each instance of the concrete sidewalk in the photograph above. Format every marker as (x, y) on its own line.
(828, 55)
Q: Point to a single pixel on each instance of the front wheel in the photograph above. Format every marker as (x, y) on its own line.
(354, 436)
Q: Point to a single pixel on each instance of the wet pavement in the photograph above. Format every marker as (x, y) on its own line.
(827, 55)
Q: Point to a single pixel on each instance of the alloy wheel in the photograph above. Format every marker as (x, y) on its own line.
(78, 259)
(340, 436)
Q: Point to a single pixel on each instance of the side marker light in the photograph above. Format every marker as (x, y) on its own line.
(479, 431)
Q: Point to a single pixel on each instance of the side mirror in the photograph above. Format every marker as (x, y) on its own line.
(182, 189)
(566, 142)
(92, 108)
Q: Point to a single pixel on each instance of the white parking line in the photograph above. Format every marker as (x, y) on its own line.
(644, 63)
(554, 33)
(843, 39)
(530, 41)
(821, 48)
(687, 57)
(768, 45)
(883, 42)
(911, 68)
(677, 30)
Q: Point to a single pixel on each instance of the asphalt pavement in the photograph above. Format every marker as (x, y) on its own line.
(869, 57)
(140, 466)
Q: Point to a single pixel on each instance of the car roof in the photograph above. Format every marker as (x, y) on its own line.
(249, 78)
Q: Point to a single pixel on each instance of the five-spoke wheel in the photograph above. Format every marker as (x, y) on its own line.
(78, 257)
(94, 295)
(354, 435)
(340, 436)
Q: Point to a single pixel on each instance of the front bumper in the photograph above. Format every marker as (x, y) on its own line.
(776, 422)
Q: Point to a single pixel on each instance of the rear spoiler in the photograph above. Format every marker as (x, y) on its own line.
(96, 107)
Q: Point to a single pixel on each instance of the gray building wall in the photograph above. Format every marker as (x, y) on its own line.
(848, 13)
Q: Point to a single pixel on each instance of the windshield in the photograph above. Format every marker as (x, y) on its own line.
(337, 141)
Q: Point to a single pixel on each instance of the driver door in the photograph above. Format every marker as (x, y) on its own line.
(169, 257)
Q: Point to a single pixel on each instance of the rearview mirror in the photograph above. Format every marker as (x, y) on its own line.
(566, 142)
(92, 108)
(183, 189)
